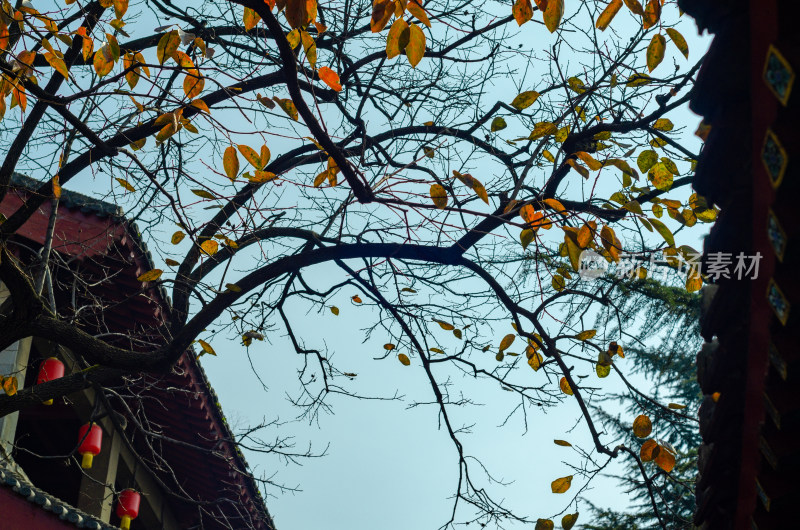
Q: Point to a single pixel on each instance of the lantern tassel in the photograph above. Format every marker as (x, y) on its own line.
(86, 463)
(125, 524)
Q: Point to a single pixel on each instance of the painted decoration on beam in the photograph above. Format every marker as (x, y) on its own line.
(774, 157)
(779, 75)
(777, 301)
(776, 235)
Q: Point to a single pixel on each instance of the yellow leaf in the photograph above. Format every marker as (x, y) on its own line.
(541, 129)
(125, 184)
(288, 107)
(310, 47)
(334, 310)
(177, 237)
(293, 38)
(553, 13)
(57, 63)
(655, 51)
(564, 386)
(522, 11)
(206, 347)
(562, 134)
(589, 160)
(561, 485)
(498, 124)
(562, 443)
(535, 361)
(403, 358)
(525, 99)
(637, 79)
(662, 229)
(230, 161)
(548, 155)
(397, 39)
(416, 9)
(602, 371)
(203, 193)
(544, 524)
(439, 196)
(167, 45)
(103, 61)
(646, 160)
(661, 177)
(608, 14)
(437, 350)
(663, 124)
(233, 287)
(507, 341)
(676, 406)
(251, 156)
(445, 325)
(250, 19)
(415, 49)
(200, 104)
(263, 176)
(150, 276)
(576, 85)
(209, 246)
(694, 282)
(10, 385)
(679, 41)
(642, 426)
(120, 7)
(586, 335)
(193, 83)
(568, 521)
(558, 282)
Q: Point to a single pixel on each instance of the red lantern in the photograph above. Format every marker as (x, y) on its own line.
(127, 507)
(91, 443)
(49, 370)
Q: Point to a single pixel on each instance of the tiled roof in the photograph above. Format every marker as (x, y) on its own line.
(64, 511)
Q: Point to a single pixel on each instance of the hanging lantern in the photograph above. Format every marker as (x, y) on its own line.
(91, 439)
(49, 370)
(127, 507)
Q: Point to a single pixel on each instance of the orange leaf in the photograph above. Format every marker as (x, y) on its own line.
(230, 161)
(561, 485)
(439, 196)
(250, 19)
(608, 14)
(665, 459)
(564, 385)
(330, 78)
(642, 426)
(522, 11)
(649, 450)
(416, 9)
(652, 14)
(398, 38)
(553, 13)
(150, 276)
(655, 51)
(251, 156)
(416, 45)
